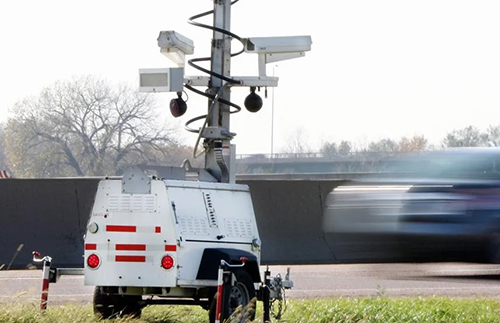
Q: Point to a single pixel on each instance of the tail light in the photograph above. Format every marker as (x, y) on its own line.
(167, 262)
(93, 261)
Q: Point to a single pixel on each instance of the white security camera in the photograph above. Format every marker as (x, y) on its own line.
(175, 46)
(276, 49)
(270, 45)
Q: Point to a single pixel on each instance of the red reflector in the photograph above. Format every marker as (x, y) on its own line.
(93, 261)
(121, 228)
(167, 262)
(157, 229)
(130, 258)
(90, 246)
(134, 247)
(171, 247)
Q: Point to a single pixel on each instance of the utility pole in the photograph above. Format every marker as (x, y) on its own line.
(272, 119)
(220, 155)
(217, 143)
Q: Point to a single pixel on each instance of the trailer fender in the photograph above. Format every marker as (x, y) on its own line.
(211, 258)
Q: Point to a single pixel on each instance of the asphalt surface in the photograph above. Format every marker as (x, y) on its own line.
(355, 280)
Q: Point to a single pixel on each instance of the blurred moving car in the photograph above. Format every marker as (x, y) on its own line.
(438, 205)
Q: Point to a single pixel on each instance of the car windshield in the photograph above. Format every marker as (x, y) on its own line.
(447, 164)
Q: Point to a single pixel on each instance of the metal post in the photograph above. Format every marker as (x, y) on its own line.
(45, 284)
(224, 289)
(220, 284)
(46, 278)
(272, 119)
(266, 296)
(226, 292)
(218, 150)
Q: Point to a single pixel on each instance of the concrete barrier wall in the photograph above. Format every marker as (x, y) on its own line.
(50, 215)
(289, 217)
(46, 215)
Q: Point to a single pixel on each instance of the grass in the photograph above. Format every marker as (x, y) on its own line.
(338, 310)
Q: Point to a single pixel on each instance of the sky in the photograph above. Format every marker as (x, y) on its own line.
(377, 69)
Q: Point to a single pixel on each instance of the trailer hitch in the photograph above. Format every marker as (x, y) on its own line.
(51, 275)
(46, 277)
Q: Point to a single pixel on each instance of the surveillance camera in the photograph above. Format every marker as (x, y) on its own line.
(269, 45)
(171, 41)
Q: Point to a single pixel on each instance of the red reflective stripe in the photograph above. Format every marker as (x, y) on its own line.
(130, 258)
(121, 228)
(135, 247)
(90, 246)
(170, 247)
(157, 229)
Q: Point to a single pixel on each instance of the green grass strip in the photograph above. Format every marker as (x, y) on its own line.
(332, 310)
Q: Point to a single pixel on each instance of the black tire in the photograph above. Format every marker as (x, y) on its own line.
(242, 292)
(132, 306)
(112, 306)
(103, 304)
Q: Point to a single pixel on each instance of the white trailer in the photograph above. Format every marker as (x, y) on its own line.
(164, 239)
(184, 239)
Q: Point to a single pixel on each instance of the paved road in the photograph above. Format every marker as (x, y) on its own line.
(367, 280)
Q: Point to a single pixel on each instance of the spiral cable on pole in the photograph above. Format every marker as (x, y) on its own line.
(230, 81)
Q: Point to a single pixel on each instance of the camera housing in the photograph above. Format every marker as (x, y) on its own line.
(270, 45)
(175, 46)
(161, 79)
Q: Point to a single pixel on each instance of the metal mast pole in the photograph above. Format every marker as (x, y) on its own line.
(217, 143)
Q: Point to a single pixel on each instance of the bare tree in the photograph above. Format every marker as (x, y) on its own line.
(345, 148)
(298, 143)
(383, 146)
(331, 149)
(3, 164)
(85, 127)
(466, 137)
(493, 135)
(415, 143)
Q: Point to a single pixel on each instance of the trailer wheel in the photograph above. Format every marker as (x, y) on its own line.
(104, 305)
(242, 292)
(108, 306)
(131, 306)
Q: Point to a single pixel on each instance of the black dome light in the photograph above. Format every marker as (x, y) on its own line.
(253, 102)
(178, 106)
